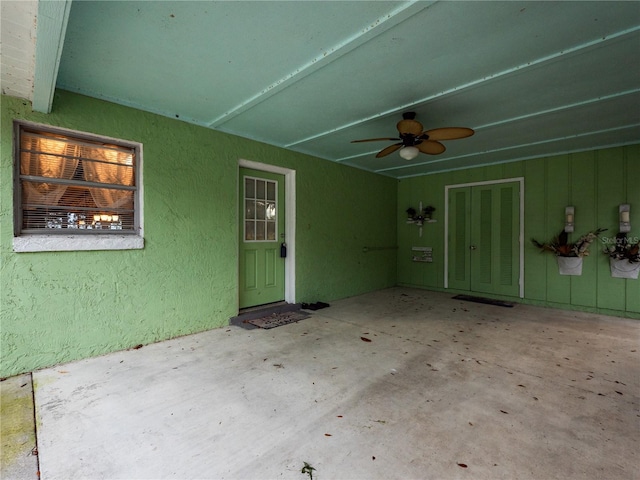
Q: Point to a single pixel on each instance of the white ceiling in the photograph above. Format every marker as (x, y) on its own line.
(531, 78)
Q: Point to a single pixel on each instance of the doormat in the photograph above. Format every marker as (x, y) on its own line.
(277, 319)
(488, 301)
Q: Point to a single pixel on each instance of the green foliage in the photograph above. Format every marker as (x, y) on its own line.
(308, 469)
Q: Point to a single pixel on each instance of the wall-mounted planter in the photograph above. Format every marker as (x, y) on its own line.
(570, 265)
(623, 268)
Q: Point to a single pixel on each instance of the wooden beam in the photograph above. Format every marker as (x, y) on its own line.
(51, 29)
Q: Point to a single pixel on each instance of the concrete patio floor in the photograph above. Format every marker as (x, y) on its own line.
(396, 384)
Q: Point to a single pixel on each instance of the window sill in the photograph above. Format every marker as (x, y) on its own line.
(65, 243)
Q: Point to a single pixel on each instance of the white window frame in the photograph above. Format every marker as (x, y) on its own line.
(244, 219)
(42, 242)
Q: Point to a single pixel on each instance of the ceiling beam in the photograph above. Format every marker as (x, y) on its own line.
(393, 18)
(507, 121)
(524, 146)
(51, 28)
(578, 49)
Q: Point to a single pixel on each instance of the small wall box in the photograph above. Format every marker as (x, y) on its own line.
(422, 254)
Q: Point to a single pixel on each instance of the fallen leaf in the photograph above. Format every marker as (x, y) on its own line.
(462, 465)
(137, 347)
(327, 435)
(365, 339)
(504, 412)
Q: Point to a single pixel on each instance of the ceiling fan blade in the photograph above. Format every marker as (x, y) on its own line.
(449, 133)
(431, 147)
(390, 149)
(409, 126)
(375, 140)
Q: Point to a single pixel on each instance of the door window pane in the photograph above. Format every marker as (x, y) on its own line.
(260, 189)
(250, 211)
(260, 228)
(260, 210)
(249, 188)
(271, 231)
(270, 213)
(249, 230)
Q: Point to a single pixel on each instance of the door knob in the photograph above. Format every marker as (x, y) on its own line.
(472, 247)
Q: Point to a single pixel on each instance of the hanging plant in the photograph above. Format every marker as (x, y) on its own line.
(560, 246)
(624, 249)
(624, 256)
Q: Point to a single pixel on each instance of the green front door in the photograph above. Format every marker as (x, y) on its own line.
(261, 236)
(484, 246)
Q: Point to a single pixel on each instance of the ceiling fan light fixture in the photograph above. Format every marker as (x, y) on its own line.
(409, 153)
(412, 140)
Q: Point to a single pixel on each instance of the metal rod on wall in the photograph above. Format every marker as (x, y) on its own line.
(370, 249)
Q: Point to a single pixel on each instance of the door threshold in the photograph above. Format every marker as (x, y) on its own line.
(264, 306)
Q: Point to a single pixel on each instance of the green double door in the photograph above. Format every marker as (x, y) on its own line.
(484, 238)
(262, 222)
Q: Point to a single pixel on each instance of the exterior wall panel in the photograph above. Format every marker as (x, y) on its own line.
(594, 182)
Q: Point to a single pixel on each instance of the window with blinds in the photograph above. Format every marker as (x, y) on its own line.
(68, 183)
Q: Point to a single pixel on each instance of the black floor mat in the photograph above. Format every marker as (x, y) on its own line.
(488, 301)
(315, 306)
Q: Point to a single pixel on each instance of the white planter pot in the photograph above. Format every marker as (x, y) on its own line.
(623, 268)
(570, 265)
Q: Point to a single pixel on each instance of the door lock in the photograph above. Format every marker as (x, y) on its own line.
(472, 247)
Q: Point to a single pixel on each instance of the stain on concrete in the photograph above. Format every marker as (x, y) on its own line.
(17, 430)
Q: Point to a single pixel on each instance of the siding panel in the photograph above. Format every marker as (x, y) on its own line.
(595, 183)
(611, 186)
(557, 179)
(583, 197)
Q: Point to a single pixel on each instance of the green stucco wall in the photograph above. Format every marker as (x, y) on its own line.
(62, 306)
(595, 182)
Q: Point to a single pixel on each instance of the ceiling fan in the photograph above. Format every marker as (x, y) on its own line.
(414, 140)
